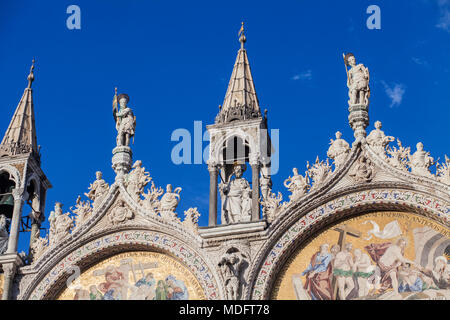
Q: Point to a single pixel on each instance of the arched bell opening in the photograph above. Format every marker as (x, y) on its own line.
(7, 185)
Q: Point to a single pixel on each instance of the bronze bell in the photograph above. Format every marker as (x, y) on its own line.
(7, 203)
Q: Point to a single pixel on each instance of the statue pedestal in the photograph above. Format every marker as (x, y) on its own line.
(242, 228)
(358, 119)
(122, 160)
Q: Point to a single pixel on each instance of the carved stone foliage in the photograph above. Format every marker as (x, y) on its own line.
(39, 246)
(232, 265)
(190, 221)
(443, 171)
(120, 213)
(399, 156)
(297, 185)
(338, 150)
(271, 205)
(318, 172)
(60, 224)
(81, 211)
(363, 171)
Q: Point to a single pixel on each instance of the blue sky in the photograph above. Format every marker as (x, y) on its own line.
(174, 60)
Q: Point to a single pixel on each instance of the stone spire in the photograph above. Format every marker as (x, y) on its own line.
(241, 102)
(20, 137)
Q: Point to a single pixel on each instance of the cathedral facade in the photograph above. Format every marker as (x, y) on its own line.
(371, 221)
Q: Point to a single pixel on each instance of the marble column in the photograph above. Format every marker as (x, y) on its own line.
(15, 223)
(9, 270)
(255, 191)
(213, 172)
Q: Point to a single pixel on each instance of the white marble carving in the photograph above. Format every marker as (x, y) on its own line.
(231, 265)
(60, 224)
(169, 202)
(82, 210)
(363, 171)
(297, 185)
(190, 221)
(39, 246)
(357, 81)
(125, 120)
(420, 161)
(338, 150)
(97, 190)
(443, 171)
(271, 205)
(137, 180)
(318, 172)
(399, 156)
(378, 140)
(237, 194)
(120, 213)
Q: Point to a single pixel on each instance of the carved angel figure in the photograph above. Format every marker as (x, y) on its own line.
(420, 161)
(98, 189)
(137, 180)
(297, 185)
(60, 224)
(378, 140)
(338, 150)
(169, 201)
(357, 81)
(120, 213)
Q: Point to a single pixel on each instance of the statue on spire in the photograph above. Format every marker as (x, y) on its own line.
(357, 81)
(125, 119)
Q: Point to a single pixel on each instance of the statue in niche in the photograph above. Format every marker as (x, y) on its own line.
(169, 201)
(338, 150)
(420, 161)
(363, 170)
(125, 119)
(4, 235)
(297, 185)
(98, 189)
(237, 206)
(357, 81)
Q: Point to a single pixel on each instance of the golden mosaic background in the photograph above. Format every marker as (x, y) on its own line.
(165, 266)
(284, 289)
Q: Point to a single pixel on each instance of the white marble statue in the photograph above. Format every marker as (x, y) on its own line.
(378, 140)
(81, 211)
(338, 150)
(297, 185)
(137, 180)
(125, 119)
(237, 206)
(169, 202)
(357, 81)
(420, 161)
(97, 190)
(60, 224)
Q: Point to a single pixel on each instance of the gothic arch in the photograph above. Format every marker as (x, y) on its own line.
(303, 223)
(13, 172)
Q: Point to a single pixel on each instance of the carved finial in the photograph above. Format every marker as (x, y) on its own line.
(242, 38)
(31, 75)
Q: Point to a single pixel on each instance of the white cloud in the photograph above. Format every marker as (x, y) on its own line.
(444, 19)
(395, 93)
(306, 75)
(420, 61)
